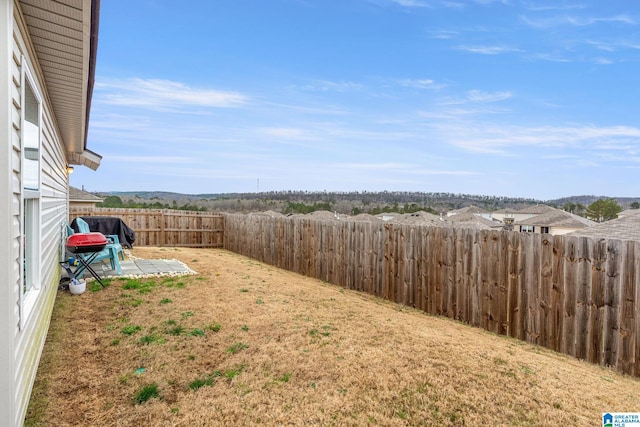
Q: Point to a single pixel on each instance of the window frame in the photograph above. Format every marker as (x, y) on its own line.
(30, 206)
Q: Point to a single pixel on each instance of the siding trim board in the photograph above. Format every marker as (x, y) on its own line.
(7, 216)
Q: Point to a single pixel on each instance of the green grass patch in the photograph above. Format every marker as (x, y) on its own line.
(527, 370)
(147, 392)
(139, 285)
(186, 314)
(201, 382)
(284, 378)
(205, 381)
(94, 286)
(165, 301)
(175, 285)
(197, 332)
(236, 348)
(152, 339)
(176, 330)
(131, 329)
(232, 373)
(214, 326)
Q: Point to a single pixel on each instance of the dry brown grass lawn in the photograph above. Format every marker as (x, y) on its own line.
(243, 343)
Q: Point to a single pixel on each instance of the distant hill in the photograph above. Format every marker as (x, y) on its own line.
(159, 195)
(625, 202)
(343, 202)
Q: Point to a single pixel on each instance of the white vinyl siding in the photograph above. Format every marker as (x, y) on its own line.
(29, 326)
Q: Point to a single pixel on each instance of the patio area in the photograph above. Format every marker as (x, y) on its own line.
(143, 267)
(139, 267)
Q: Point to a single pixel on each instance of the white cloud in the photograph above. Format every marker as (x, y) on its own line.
(443, 34)
(287, 133)
(475, 137)
(476, 97)
(575, 21)
(158, 93)
(488, 50)
(411, 3)
(147, 160)
(505, 2)
(330, 86)
(602, 61)
(547, 57)
(602, 46)
(536, 7)
(578, 21)
(484, 97)
(421, 84)
(404, 168)
(453, 4)
(613, 46)
(374, 166)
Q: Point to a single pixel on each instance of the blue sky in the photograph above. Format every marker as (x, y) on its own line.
(517, 98)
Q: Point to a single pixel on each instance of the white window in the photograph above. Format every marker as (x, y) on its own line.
(31, 139)
(31, 210)
(526, 228)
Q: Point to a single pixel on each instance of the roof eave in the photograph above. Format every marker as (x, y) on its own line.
(68, 74)
(87, 158)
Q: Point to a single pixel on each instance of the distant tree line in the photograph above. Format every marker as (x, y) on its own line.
(302, 208)
(355, 202)
(377, 197)
(116, 202)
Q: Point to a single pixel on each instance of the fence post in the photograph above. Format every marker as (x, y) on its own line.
(163, 235)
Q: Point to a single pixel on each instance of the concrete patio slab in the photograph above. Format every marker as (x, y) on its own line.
(142, 268)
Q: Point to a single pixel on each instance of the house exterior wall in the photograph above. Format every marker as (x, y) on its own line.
(81, 204)
(23, 326)
(554, 231)
(8, 253)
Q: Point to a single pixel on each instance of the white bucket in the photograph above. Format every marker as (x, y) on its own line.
(77, 287)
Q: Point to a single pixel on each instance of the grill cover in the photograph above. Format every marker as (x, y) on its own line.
(86, 242)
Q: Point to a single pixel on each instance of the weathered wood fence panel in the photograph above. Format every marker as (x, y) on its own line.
(165, 227)
(574, 295)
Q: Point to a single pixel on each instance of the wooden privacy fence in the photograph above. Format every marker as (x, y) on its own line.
(577, 296)
(165, 227)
